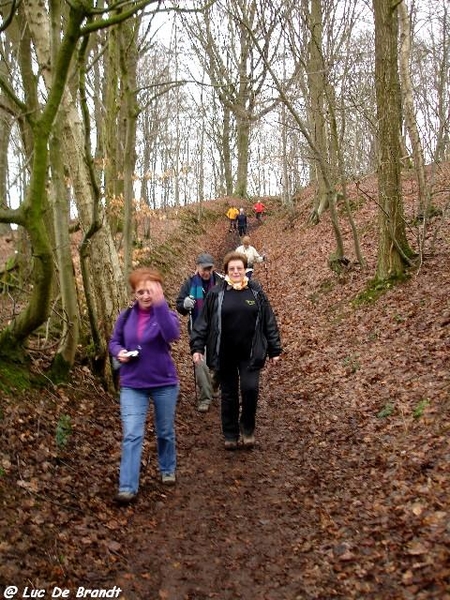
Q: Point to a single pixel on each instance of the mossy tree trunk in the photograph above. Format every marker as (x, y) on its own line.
(32, 212)
(393, 249)
(40, 35)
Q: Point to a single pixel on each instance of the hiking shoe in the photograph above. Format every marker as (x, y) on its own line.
(231, 444)
(125, 497)
(168, 478)
(203, 406)
(248, 440)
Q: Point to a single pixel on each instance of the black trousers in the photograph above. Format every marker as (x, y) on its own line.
(235, 377)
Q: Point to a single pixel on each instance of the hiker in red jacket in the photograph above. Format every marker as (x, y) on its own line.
(259, 209)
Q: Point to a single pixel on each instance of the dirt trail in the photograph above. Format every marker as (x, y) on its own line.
(231, 526)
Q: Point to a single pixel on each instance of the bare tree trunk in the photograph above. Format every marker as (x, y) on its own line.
(200, 156)
(316, 112)
(408, 104)
(128, 56)
(286, 192)
(442, 152)
(111, 127)
(339, 169)
(5, 131)
(60, 200)
(226, 149)
(243, 142)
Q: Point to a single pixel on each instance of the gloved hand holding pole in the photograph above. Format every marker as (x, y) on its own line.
(189, 302)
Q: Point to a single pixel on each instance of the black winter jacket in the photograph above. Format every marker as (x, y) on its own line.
(208, 326)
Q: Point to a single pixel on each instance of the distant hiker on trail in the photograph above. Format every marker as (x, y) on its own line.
(259, 209)
(190, 302)
(147, 373)
(232, 214)
(251, 253)
(242, 222)
(238, 327)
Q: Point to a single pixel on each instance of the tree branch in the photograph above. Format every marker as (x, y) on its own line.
(6, 22)
(98, 24)
(12, 215)
(9, 92)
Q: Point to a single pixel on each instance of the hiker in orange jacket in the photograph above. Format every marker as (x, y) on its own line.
(232, 214)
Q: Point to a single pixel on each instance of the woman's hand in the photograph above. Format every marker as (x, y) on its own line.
(274, 360)
(157, 293)
(122, 356)
(197, 357)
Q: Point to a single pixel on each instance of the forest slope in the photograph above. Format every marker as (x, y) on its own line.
(346, 494)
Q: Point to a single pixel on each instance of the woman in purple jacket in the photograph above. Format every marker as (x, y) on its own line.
(141, 343)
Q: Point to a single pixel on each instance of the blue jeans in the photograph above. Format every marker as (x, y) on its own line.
(133, 409)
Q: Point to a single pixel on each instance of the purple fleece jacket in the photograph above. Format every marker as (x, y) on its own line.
(154, 367)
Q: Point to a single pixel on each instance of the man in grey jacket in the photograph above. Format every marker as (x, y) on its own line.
(190, 302)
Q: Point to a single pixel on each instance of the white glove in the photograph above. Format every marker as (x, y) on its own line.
(189, 303)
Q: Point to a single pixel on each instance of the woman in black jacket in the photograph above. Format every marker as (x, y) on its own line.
(238, 327)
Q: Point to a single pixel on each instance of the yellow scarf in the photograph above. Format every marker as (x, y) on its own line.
(239, 285)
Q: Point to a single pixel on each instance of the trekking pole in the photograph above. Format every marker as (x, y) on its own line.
(195, 384)
(193, 364)
(266, 270)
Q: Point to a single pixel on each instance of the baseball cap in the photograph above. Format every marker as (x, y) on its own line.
(205, 260)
